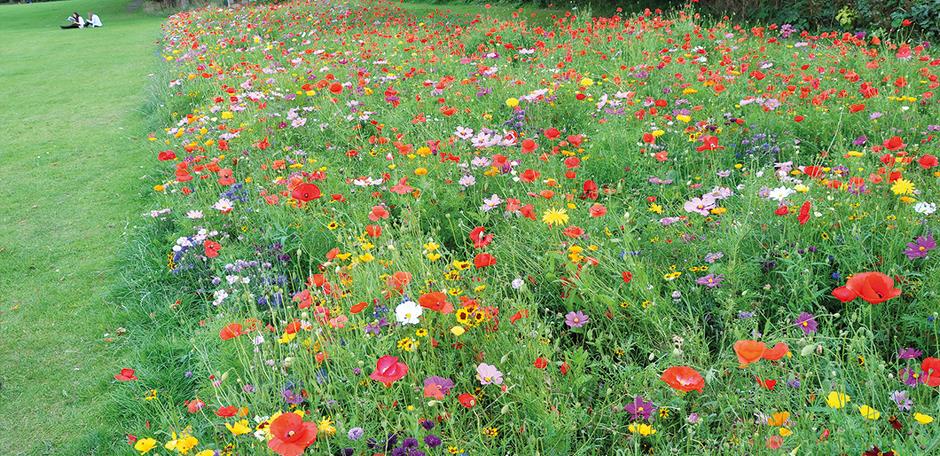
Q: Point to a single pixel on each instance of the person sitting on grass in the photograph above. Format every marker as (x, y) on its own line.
(93, 20)
(75, 21)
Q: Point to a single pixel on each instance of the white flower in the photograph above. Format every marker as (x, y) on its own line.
(223, 205)
(407, 313)
(925, 208)
(194, 215)
(780, 193)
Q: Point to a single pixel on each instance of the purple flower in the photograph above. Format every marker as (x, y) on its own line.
(910, 377)
(576, 319)
(807, 322)
(920, 247)
(640, 407)
(902, 401)
(445, 384)
(489, 374)
(432, 441)
(355, 433)
(711, 280)
(909, 353)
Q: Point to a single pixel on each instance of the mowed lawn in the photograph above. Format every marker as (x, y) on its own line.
(71, 159)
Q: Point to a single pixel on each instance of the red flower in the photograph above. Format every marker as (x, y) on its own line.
(484, 260)
(166, 155)
(374, 230)
(480, 238)
(388, 370)
(872, 287)
(398, 281)
(552, 133)
(306, 192)
(467, 400)
(212, 248)
(573, 231)
(529, 146)
(540, 363)
(930, 369)
(627, 276)
(126, 375)
(291, 434)
(804, 213)
(227, 411)
(927, 161)
(893, 143)
(436, 301)
(231, 331)
(683, 378)
(378, 212)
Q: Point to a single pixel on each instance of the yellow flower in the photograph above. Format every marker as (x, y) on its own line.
(837, 400)
(554, 216)
(457, 330)
(181, 444)
(923, 418)
(421, 171)
(145, 445)
(902, 187)
(684, 118)
(641, 428)
(207, 453)
(587, 82)
(869, 412)
(326, 426)
(512, 102)
(239, 427)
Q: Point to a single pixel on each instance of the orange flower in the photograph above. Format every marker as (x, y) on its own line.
(749, 351)
(683, 378)
(779, 351)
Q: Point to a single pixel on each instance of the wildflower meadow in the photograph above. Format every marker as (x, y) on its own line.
(405, 229)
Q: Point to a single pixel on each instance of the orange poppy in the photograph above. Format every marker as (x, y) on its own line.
(779, 351)
(749, 351)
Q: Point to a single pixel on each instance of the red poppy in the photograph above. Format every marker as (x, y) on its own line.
(373, 230)
(388, 370)
(378, 212)
(480, 238)
(872, 287)
(398, 281)
(930, 369)
(358, 307)
(125, 375)
(893, 143)
(529, 146)
(627, 276)
(552, 133)
(597, 210)
(292, 435)
(484, 260)
(683, 378)
(573, 231)
(211, 248)
(467, 400)
(231, 331)
(436, 301)
(803, 217)
(166, 155)
(226, 412)
(540, 363)
(306, 192)
(927, 161)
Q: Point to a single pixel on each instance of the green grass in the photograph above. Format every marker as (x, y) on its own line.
(70, 167)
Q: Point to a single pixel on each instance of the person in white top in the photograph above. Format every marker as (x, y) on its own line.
(75, 21)
(93, 20)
